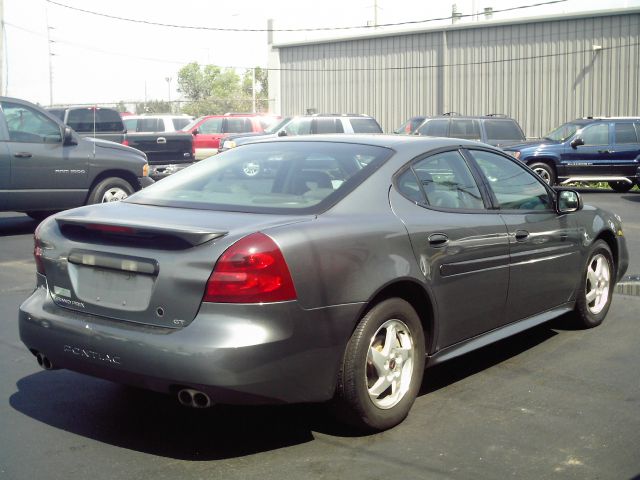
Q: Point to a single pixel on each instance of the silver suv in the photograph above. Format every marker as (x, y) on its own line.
(302, 125)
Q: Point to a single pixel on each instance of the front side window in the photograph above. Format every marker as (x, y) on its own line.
(514, 187)
(211, 126)
(466, 129)
(29, 126)
(434, 128)
(444, 179)
(300, 177)
(298, 126)
(596, 134)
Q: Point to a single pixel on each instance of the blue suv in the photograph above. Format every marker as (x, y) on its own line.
(605, 149)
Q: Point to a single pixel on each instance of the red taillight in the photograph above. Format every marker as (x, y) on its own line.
(252, 270)
(125, 142)
(37, 251)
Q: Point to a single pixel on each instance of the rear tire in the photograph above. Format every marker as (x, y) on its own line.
(110, 189)
(596, 287)
(545, 172)
(620, 187)
(382, 368)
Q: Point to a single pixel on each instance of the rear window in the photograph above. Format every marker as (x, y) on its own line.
(296, 177)
(502, 130)
(104, 119)
(57, 112)
(365, 125)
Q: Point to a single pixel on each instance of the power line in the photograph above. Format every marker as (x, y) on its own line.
(317, 29)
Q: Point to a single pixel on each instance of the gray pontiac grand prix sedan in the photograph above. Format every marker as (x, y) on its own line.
(335, 277)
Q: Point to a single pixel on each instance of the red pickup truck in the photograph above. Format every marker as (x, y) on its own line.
(208, 130)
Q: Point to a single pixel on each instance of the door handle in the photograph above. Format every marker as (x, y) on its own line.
(438, 240)
(161, 140)
(22, 155)
(521, 235)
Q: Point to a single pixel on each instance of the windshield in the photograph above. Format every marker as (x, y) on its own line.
(277, 126)
(191, 124)
(295, 177)
(563, 132)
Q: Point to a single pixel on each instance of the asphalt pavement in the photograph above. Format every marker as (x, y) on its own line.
(552, 402)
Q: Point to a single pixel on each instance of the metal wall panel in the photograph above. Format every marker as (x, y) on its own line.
(542, 72)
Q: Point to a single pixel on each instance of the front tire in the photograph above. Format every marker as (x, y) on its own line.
(382, 368)
(545, 172)
(112, 189)
(596, 287)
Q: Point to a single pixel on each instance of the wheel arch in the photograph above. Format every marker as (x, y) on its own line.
(550, 161)
(123, 174)
(609, 237)
(416, 295)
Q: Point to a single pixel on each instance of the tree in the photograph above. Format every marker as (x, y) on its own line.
(213, 90)
(262, 87)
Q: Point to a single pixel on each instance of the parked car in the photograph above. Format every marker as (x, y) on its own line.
(208, 130)
(592, 149)
(410, 125)
(167, 148)
(46, 166)
(156, 123)
(337, 278)
(93, 121)
(494, 129)
(302, 125)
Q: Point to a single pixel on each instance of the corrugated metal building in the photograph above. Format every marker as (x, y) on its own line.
(541, 71)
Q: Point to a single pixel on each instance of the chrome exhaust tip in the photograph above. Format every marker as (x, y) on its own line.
(44, 361)
(189, 397)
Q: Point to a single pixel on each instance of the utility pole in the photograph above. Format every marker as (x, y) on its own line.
(168, 79)
(2, 59)
(49, 42)
(253, 87)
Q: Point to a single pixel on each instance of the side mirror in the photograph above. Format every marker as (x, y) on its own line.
(576, 142)
(195, 132)
(68, 138)
(568, 201)
(282, 133)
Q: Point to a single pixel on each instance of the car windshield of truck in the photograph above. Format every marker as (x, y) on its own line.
(563, 132)
(296, 177)
(190, 125)
(277, 126)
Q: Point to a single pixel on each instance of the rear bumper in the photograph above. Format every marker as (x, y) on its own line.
(238, 354)
(160, 171)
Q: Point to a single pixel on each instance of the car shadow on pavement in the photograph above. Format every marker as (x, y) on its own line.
(447, 373)
(17, 225)
(156, 424)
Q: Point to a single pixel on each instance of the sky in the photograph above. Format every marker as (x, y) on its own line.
(95, 59)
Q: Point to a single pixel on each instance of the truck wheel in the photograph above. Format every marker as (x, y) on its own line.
(382, 368)
(621, 187)
(112, 189)
(545, 172)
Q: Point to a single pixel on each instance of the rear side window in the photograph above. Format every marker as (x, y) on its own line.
(625, 133)
(365, 125)
(238, 125)
(466, 129)
(103, 119)
(327, 125)
(500, 130)
(150, 125)
(300, 177)
(434, 128)
(210, 126)
(447, 182)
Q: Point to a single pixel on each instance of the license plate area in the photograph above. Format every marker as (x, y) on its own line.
(114, 289)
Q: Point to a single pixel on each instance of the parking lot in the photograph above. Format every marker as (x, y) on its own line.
(552, 402)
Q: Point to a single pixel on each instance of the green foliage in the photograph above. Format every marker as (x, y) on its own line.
(121, 107)
(153, 106)
(212, 90)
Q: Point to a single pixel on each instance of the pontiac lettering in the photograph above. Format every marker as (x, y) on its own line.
(103, 357)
